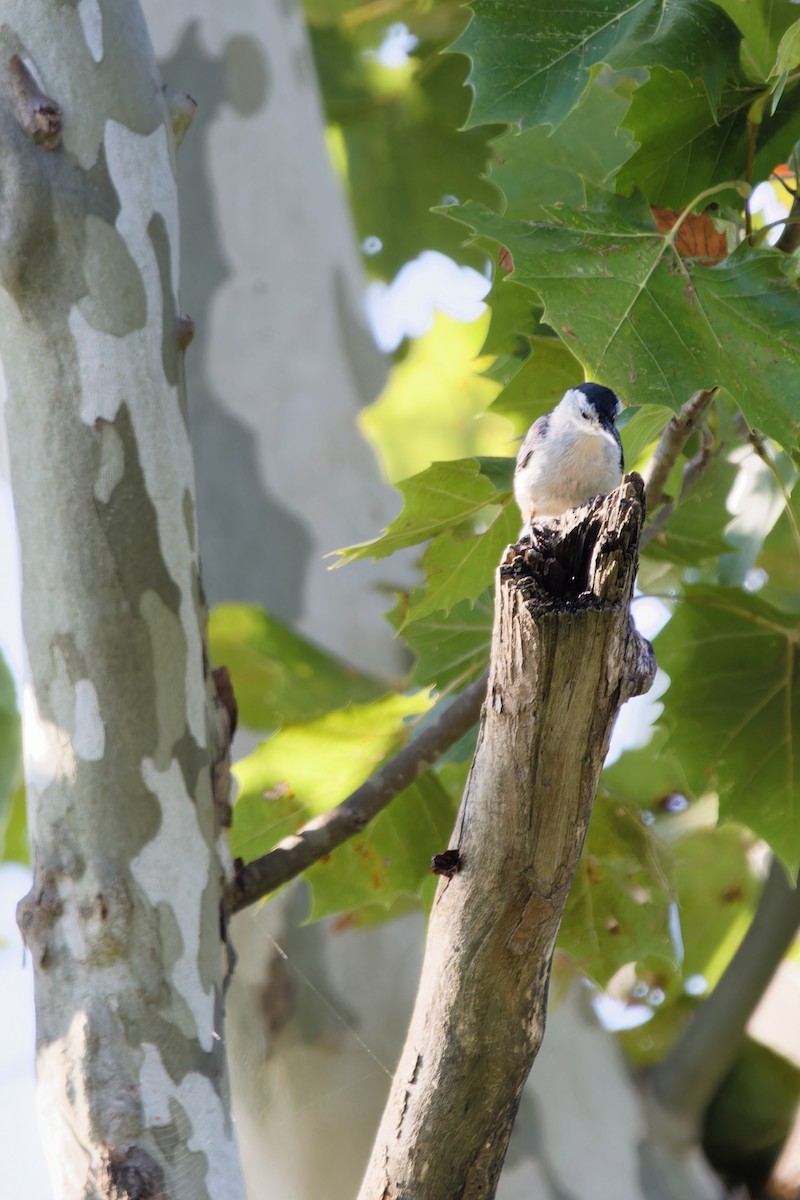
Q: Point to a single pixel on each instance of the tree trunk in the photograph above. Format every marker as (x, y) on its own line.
(122, 921)
(280, 369)
(565, 655)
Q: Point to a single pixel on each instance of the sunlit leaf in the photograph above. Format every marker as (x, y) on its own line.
(401, 149)
(440, 387)
(278, 676)
(392, 858)
(459, 569)
(450, 648)
(617, 909)
(436, 500)
(304, 770)
(14, 828)
(733, 708)
(12, 811)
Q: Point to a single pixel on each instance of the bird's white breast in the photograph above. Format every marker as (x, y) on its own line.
(565, 471)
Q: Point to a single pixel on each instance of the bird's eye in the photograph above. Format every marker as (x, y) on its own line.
(586, 416)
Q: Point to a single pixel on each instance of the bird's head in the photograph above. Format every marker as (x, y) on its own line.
(591, 406)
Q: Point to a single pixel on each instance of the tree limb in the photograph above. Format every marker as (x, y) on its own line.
(790, 238)
(675, 436)
(319, 837)
(687, 1078)
(564, 656)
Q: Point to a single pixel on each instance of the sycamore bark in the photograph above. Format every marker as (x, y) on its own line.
(122, 921)
(564, 657)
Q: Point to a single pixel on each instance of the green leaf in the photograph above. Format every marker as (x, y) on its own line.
(717, 894)
(278, 676)
(695, 531)
(434, 501)
(459, 569)
(684, 148)
(399, 145)
(540, 383)
(531, 64)
(780, 559)
(639, 426)
(452, 649)
(305, 770)
(514, 317)
(542, 166)
(752, 1113)
(648, 777)
(14, 845)
(646, 321)
(439, 386)
(763, 27)
(788, 54)
(393, 858)
(757, 504)
(617, 909)
(733, 708)
(12, 797)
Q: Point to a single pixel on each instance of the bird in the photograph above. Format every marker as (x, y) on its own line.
(569, 454)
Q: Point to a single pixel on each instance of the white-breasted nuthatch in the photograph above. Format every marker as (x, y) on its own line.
(569, 455)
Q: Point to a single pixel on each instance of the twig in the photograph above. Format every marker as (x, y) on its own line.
(322, 835)
(685, 1081)
(37, 114)
(790, 238)
(677, 433)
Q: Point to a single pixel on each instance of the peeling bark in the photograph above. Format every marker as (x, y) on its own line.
(122, 921)
(565, 656)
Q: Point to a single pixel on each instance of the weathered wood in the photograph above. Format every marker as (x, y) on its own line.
(565, 656)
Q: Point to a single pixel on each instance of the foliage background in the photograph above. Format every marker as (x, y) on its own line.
(596, 169)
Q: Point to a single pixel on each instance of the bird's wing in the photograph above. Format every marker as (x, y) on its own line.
(618, 440)
(532, 439)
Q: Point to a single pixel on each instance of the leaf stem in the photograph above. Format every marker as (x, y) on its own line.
(738, 185)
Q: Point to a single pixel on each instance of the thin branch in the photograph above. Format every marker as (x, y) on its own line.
(685, 1081)
(38, 115)
(322, 835)
(677, 433)
(790, 238)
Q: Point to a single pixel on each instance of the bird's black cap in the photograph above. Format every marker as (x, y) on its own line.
(605, 402)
